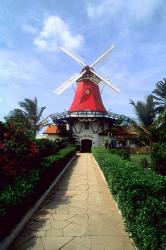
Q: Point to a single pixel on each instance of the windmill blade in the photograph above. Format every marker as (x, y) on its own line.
(68, 83)
(72, 55)
(105, 80)
(103, 55)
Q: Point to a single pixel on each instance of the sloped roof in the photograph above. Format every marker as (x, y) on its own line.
(120, 131)
(52, 129)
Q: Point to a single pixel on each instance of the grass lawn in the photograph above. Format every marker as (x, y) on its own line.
(136, 158)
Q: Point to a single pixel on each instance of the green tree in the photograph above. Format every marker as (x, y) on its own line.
(160, 125)
(146, 113)
(160, 95)
(29, 116)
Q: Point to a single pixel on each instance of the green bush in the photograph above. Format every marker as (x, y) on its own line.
(46, 147)
(140, 194)
(13, 195)
(124, 153)
(141, 160)
(60, 157)
(18, 153)
(159, 157)
(144, 163)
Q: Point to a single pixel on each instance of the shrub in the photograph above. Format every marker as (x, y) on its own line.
(14, 194)
(124, 153)
(61, 157)
(140, 194)
(17, 152)
(46, 147)
(159, 157)
(144, 163)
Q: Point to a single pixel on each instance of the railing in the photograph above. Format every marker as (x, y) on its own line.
(90, 114)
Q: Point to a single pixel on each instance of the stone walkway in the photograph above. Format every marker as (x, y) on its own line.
(78, 214)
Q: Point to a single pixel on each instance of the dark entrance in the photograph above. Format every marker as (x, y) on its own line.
(86, 146)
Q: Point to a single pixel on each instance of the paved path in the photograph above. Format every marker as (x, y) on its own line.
(78, 214)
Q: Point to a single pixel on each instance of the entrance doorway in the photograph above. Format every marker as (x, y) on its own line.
(86, 146)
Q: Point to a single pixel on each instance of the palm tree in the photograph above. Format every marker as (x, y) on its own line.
(160, 95)
(160, 125)
(29, 117)
(145, 112)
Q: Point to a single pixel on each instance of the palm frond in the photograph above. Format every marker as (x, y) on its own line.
(29, 116)
(160, 94)
(145, 111)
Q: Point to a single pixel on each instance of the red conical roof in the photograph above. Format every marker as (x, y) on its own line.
(87, 97)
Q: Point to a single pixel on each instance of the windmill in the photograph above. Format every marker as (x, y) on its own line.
(87, 116)
(87, 95)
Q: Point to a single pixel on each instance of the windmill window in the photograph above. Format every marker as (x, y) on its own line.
(87, 125)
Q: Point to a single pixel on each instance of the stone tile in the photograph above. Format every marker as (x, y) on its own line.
(54, 232)
(39, 233)
(54, 243)
(33, 244)
(74, 229)
(60, 211)
(107, 242)
(73, 245)
(61, 217)
(80, 219)
(39, 225)
(77, 210)
(83, 241)
(60, 224)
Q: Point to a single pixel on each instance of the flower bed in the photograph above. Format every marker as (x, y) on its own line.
(18, 197)
(141, 196)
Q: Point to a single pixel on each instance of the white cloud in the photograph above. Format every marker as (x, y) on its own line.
(133, 10)
(55, 33)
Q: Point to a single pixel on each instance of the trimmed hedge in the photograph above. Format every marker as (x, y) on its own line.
(141, 196)
(17, 198)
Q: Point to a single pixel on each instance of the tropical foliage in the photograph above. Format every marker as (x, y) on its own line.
(146, 113)
(160, 95)
(29, 116)
(151, 125)
(17, 152)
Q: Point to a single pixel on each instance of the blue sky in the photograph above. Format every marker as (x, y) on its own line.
(31, 64)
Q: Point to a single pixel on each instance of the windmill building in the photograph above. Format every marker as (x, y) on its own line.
(87, 117)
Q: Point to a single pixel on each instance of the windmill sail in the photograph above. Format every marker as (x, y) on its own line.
(106, 81)
(102, 56)
(68, 83)
(87, 72)
(74, 56)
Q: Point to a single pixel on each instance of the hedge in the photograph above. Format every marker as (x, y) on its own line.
(17, 198)
(141, 197)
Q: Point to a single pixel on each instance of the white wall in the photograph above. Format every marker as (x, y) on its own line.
(89, 133)
(48, 136)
